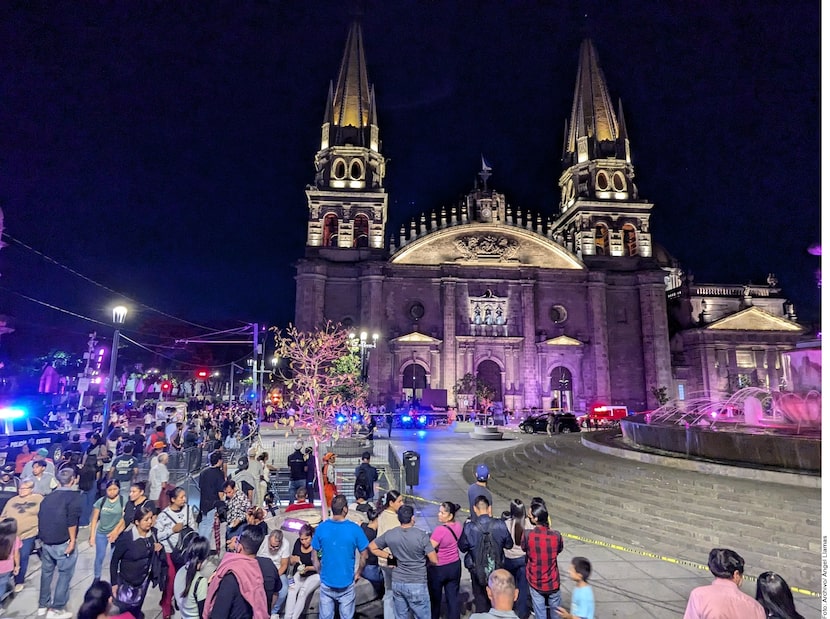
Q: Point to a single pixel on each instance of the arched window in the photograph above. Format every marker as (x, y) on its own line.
(356, 170)
(339, 169)
(601, 239)
(629, 240)
(489, 373)
(331, 230)
(361, 231)
(561, 389)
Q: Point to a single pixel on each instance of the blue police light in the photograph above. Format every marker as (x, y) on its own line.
(422, 420)
(340, 419)
(406, 419)
(12, 413)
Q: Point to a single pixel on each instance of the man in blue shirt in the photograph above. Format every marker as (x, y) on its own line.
(336, 540)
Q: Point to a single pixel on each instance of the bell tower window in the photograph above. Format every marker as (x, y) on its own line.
(356, 171)
(339, 171)
(601, 239)
(618, 181)
(602, 180)
(361, 231)
(331, 230)
(629, 240)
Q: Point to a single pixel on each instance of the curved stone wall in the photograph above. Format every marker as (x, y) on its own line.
(795, 453)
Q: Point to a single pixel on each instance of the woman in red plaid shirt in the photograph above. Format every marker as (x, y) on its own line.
(542, 546)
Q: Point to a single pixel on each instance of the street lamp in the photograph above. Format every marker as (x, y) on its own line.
(362, 344)
(119, 316)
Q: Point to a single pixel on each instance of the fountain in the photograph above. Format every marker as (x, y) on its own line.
(752, 427)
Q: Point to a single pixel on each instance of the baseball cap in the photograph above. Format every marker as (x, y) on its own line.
(482, 472)
(42, 452)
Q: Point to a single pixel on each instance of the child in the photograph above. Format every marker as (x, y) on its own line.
(582, 597)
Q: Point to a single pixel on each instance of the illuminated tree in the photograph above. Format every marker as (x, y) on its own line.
(323, 375)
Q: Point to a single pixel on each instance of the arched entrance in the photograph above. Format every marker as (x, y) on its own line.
(561, 389)
(414, 381)
(489, 373)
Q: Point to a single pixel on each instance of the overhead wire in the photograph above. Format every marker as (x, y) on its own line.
(98, 284)
(187, 363)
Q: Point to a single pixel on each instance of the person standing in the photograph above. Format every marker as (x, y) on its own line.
(124, 469)
(211, 492)
(238, 505)
(336, 540)
(158, 478)
(446, 575)
(329, 476)
(297, 471)
(502, 592)
(411, 548)
(189, 586)
(57, 524)
(24, 508)
(542, 546)
(582, 596)
(310, 474)
(479, 488)
(45, 481)
(236, 590)
(474, 530)
(103, 530)
(387, 520)
(723, 598)
(169, 525)
(130, 563)
(366, 476)
(514, 558)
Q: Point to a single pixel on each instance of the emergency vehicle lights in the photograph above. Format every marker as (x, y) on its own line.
(12, 413)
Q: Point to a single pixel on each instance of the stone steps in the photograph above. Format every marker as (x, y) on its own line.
(681, 514)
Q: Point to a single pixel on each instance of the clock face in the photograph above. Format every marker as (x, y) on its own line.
(485, 212)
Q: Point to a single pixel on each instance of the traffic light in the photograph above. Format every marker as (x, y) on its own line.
(202, 374)
(166, 386)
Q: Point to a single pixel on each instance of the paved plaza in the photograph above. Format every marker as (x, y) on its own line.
(628, 580)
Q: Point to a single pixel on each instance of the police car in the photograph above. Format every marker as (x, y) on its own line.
(18, 428)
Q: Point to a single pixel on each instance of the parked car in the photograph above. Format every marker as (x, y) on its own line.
(17, 428)
(562, 422)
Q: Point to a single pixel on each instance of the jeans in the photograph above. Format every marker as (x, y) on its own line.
(298, 594)
(441, 579)
(543, 601)
(52, 557)
(388, 604)
(292, 489)
(88, 498)
(25, 553)
(411, 597)
(480, 600)
(344, 597)
(373, 574)
(517, 568)
(102, 544)
(206, 525)
(281, 595)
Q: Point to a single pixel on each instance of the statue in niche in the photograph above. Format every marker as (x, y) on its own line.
(499, 316)
(477, 315)
(488, 316)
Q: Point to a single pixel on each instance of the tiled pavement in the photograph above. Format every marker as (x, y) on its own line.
(626, 584)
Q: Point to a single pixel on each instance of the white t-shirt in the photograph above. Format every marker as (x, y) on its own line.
(284, 552)
(158, 475)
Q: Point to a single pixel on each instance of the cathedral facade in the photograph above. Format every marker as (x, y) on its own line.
(566, 310)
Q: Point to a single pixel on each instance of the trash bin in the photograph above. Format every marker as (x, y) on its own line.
(411, 467)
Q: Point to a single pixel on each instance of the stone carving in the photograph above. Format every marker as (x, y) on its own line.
(488, 246)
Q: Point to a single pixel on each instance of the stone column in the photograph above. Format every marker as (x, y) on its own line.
(598, 324)
(655, 330)
(529, 373)
(449, 348)
(371, 319)
(773, 371)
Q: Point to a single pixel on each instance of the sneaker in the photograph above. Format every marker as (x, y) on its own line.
(41, 611)
(18, 588)
(59, 614)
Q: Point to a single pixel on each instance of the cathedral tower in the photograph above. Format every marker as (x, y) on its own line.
(347, 202)
(600, 213)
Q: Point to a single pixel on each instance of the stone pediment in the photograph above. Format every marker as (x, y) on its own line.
(563, 340)
(415, 338)
(753, 319)
(484, 244)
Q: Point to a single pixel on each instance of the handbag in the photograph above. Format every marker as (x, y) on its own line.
(129, 596)
(186, 537)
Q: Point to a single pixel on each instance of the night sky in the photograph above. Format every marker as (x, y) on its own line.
(162, 148)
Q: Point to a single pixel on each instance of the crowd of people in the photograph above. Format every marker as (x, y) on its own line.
(113, 492)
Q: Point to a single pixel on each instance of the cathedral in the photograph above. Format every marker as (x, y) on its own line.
(563, 310)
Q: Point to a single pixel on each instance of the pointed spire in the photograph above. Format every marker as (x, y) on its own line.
(592, 113)
(352, 97)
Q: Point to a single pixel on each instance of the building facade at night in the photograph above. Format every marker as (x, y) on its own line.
(553, 310)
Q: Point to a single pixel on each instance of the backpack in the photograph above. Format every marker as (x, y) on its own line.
(186, 537)
(488, 555)
(362, 481)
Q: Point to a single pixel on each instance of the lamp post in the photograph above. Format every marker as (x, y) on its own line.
(363, 346)
(119, 316)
